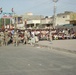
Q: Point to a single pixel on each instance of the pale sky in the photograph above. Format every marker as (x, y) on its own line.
(37, 7)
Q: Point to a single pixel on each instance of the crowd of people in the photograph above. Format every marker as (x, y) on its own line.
(16, 37)
(64, 34)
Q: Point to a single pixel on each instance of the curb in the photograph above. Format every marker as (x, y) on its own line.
(56, 48)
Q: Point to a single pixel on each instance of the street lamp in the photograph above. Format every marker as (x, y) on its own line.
(54, 17)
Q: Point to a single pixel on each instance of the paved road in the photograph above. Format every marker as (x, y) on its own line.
(29, 60)
(62, 45)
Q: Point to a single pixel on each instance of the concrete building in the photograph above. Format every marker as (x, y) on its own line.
(47, 23)
(66, 18)
(18, 21)
(39, 21)
(30, 21)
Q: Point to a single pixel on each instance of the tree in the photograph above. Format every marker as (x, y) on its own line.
(7, 22)
(1, 22)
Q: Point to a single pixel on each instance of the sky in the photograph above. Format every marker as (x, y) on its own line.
(37, 7)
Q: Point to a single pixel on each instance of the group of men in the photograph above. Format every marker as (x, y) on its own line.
(16, 37)
(4, 38)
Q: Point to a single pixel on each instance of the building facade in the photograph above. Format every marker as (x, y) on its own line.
(30, 21)
(66, 18)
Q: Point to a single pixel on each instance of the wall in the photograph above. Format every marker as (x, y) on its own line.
(33, 21)
(62, 19)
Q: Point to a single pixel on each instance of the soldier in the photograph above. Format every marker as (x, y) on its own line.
(50, 36)
(15, 39)
(25, 37)
(6, 37)
(1, 38)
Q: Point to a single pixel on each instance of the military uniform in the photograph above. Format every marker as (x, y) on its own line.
(6, 37)
(25, 37)
(15, 39)
(50, 36)
(1, 38)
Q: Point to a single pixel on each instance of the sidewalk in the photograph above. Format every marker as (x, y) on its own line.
(63, 45)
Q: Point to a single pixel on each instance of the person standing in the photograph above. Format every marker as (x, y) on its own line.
(50, 36)
(6, 37)
(1, 38)
(25, 37)
(15, 39)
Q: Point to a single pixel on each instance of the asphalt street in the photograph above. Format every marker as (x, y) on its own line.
(30, 60)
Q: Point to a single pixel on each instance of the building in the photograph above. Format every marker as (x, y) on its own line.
(31, 21)
(47, 23)
(18, 21)
(66, 18)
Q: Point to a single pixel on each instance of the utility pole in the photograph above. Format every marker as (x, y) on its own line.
(54, 11)
(1, 10)
(14, 19)
(54, 20)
